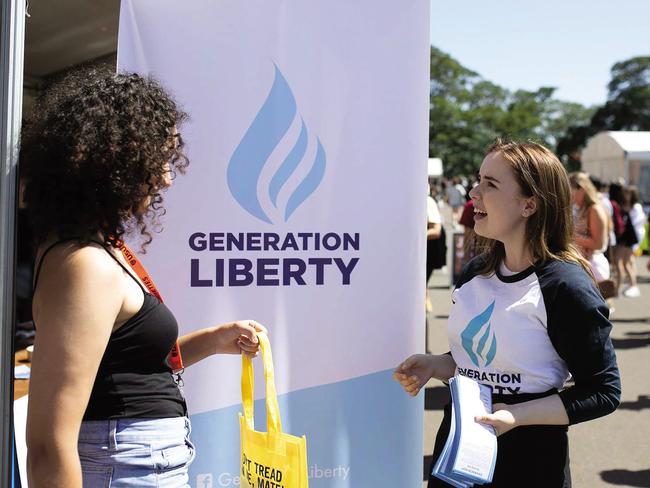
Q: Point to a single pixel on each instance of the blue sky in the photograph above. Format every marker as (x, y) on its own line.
(569, 44)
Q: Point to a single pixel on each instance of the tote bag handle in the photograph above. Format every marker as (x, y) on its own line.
(273, 422)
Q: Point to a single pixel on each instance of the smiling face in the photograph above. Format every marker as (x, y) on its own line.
(526, 197)
(500, 209)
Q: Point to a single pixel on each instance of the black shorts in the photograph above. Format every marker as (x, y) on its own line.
(535, 456)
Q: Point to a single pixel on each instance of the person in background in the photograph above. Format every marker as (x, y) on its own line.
(625, 244)
(637, 220)
(616, 199)
(470, 239)
(435, 232)
(637, 217)
(608, 287)
(591, 224)
(436, 242)
(527, 315)
(602, 190)
(105, 408)
(456, 197)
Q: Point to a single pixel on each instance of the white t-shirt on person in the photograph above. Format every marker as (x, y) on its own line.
(433, 213)
(526, 332)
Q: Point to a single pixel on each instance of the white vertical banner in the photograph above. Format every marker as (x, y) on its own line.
(303, 208)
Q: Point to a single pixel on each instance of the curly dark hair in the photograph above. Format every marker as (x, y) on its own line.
(98, 147)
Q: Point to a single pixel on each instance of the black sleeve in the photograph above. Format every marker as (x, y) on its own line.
(470, 270)
(579, 329)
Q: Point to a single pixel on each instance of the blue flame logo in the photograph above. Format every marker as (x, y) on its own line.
(479, 340)
(267, 130)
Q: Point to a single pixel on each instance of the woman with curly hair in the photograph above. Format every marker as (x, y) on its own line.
(105, 408)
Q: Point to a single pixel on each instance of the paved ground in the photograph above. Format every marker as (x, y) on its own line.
(612, 451)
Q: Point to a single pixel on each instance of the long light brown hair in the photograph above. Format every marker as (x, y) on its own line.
(549, 230)
(581, 180)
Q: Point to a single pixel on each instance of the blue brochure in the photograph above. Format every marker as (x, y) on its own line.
(470, 453)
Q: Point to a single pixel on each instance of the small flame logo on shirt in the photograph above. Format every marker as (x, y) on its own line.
(478, 338)
(268, 129)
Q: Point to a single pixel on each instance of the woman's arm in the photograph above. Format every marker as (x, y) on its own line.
(579, 330)
(75, 309)
(434, 231)
(543, 411)
(596, 223)
(231, 338)
(418, 369)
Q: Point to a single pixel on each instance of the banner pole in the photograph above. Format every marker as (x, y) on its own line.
(12, 45)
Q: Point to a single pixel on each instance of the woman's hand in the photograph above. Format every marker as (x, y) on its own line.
(414, 373)
(238, 338)
(503, 419)
(542, 411)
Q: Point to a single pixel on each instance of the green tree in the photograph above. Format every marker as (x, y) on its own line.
(467, 113)
(627, 108)
(630, 86)
(451, 137)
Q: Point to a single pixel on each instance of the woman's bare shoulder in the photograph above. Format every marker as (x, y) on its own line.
(598, 210)
(74, 262)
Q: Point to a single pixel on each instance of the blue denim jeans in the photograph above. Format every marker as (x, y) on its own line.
(135, 452)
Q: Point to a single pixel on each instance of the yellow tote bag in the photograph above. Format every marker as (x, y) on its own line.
(270, 459)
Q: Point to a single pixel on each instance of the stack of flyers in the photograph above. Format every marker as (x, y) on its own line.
(470, 453)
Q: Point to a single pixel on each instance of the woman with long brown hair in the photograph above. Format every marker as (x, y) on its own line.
(527, 315)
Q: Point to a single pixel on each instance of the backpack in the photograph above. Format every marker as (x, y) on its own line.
(628, 237)
(617, 220)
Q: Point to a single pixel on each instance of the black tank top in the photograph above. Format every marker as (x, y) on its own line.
(133, 380)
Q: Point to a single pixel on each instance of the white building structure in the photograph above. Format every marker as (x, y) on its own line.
(612, 155)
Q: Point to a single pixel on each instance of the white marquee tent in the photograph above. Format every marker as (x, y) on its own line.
(613, 155)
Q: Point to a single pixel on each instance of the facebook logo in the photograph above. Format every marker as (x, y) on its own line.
(204, 481)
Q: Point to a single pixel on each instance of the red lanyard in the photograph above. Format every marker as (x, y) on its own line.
(174, 359)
